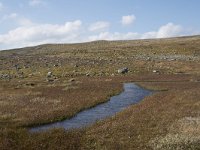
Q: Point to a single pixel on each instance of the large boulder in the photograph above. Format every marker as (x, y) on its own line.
(123, 70)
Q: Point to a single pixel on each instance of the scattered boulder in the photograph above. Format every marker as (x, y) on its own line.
(172, 59)
(155, 71)
(148, 59)
(5, 76)
(71, 80)
(49, 74)
(87, 74)
(123, 70)
(75, 66)
(30, 75)
(112, 74)
(56, 65)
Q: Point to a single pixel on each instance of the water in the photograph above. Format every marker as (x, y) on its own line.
(132, 94)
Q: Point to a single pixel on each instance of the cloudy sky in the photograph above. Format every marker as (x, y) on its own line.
(33, 22)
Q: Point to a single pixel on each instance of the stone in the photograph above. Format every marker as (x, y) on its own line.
(87, 74)
(56, 65)
(49, 74)
(112, 74)
(155, 71)
(123, 70)
(71, 80)
(148, 58)
(5, 76)
(75, 66)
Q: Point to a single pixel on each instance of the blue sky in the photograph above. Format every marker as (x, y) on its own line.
(33, 22)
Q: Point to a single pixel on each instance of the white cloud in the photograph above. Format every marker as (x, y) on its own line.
(114, 36)
(29, 34)
(35, 2)
(99, 26)
(38, 34)
(149, 35)
(168, 30)
(128, 20)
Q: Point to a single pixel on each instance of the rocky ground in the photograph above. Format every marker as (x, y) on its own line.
(52, 82)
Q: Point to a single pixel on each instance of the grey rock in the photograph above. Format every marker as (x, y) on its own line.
(155, 71)
(71, 80)
(148, 59)
(5, 76)
(56, 65)
(123, 70)
(87, 74)
(49, 74)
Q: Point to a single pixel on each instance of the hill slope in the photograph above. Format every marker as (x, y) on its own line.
(52, 82)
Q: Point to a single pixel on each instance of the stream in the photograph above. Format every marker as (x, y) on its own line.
(132, 94)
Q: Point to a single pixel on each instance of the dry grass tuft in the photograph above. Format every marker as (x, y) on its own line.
(183, 134)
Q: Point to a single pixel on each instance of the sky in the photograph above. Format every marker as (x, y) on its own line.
(33, 22)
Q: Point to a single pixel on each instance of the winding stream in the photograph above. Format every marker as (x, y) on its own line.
(132, 94)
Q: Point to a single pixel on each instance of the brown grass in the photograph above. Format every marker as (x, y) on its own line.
(169, 119)
(49, 103)
(183, 134)
(54, 140)
(152, 124)
(135, 127)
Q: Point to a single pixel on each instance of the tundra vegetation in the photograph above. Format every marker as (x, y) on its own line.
(52, 82)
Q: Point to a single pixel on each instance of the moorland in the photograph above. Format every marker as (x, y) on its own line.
(52, 82)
